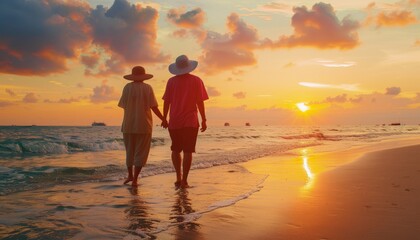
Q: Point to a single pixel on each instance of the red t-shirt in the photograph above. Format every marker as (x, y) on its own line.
(183, 92)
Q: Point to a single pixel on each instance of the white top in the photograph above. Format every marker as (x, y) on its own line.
(137, 98)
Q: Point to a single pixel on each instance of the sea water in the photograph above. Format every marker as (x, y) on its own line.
(45, 171)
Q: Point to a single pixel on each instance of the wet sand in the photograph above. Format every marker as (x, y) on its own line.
(352, 194)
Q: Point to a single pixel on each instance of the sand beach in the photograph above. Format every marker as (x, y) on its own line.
(371, 193)
(362, 192)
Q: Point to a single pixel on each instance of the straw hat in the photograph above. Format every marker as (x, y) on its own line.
(182, 65)
(138, 74)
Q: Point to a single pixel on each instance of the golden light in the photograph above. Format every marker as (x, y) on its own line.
(302, 107)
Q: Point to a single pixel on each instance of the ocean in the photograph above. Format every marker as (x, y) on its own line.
(51, 178)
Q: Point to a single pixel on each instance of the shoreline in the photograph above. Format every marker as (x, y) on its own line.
(311, 196)
(264, 198)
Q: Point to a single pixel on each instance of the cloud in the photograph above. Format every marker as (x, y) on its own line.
(266, 10)
(391, 15)
(394, 91)
(276, 7)
(38, 37)
(64, 100)
(395, 18)
(375, 100)
(238, 116)
(230, 50)
(113, 65)
(6, 103)
(10, 92)
(347, 87)
(335, 64)
(90, 60)
(60, 30)
(319, 28)
(103, 94)
(337, 99)
(239, 95)
(128, 31)
(30, 98)
(417, 43)
(289, 65)
(213, 92)
(68, 100)
(186, 19)
(180, 33)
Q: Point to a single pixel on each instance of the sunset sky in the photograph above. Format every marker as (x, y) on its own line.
(350, 62)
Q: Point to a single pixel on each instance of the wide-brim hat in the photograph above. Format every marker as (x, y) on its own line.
(182, 65)
(138, 74)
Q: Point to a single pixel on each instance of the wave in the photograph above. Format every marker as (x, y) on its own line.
(22, 179)
(51, 146)
(315, 135)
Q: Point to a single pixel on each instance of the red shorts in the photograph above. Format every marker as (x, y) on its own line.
(183, 139)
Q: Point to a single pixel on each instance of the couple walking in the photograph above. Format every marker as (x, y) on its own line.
(184, 94)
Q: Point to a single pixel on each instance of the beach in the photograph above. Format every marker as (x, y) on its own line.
(306, 189)
(368, 195)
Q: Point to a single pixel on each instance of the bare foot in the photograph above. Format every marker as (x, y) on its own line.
(134, 184)
(177, 184)
(128, 180)
(184, 185)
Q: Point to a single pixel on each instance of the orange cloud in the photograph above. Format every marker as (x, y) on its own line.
(104, 94)
(392, 15)
(6, 104)
(127, 31)
(393, 91)
(40, 36)
(319, 28)
(230, 50)
(10, 92)
(395, 18)
(30, 98)
(213, 92)
(191, 19)
(90, 60)
(417, 43)
(59, 30)
(239, 95)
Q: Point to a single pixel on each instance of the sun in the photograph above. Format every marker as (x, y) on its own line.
(302, 107)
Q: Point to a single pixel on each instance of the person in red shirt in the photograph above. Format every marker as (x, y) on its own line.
(184, 94)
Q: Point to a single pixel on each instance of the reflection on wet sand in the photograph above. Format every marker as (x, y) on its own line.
(139, 221)
(310, 175)
(182, 215)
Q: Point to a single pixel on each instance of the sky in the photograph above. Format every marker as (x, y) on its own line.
(348, 62)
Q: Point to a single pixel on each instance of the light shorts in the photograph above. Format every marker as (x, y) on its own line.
(183, 139)
(137, 147)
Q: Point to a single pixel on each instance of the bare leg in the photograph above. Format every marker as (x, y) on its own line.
(136, 175)
(176, 161)
(186, 165)
(130, 175)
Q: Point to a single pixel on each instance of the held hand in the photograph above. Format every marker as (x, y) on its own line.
(203, 126)
(164, 124)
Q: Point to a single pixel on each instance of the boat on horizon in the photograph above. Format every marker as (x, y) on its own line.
(98, 124)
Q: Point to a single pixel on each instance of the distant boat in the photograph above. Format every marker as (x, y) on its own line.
(98, 124)
(247, 124)
(395, 124)
(227, 124)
